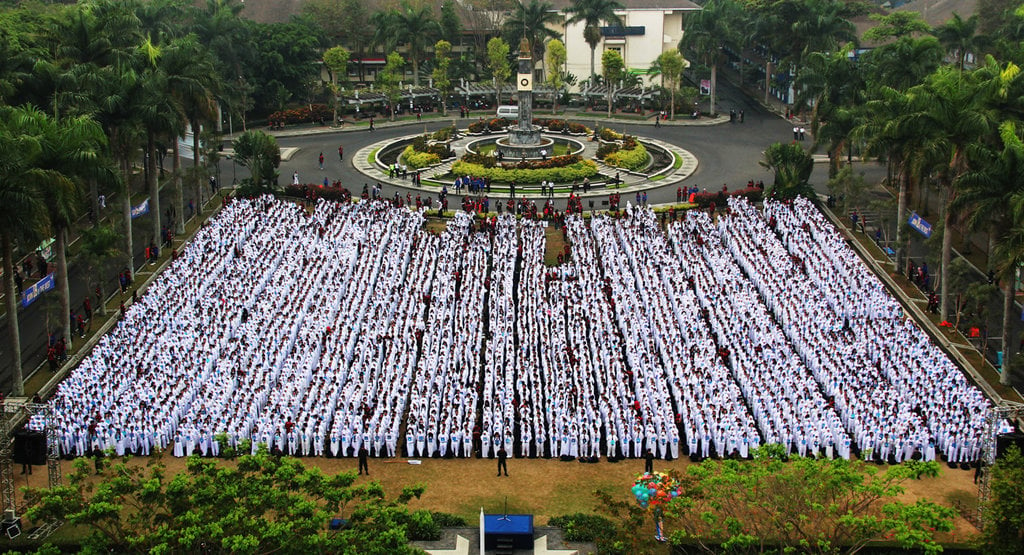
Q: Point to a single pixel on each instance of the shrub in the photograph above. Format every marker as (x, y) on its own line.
(565, 174)
(495, 124)
(553, 162)
(447, 520)
(605, 149)
(444, 134)
(609, 135)
(416, 159)
(303, 114)
(481, 159)
(581, 527)
(577, 127)
(631, 159)
(421, 526)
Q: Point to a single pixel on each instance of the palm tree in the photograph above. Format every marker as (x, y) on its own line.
(97, 247)
(950, 117)
(832, 84)
(708, 32)
(532, 21)
(792, 167)
(411, 25)
(70, 156)
(592, 13)
(22, 213)
(960, 38)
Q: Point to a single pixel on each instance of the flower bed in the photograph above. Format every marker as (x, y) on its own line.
(495, 124)
(564, 174)
(557, 125)
(304, 114)
(630, 155)
(416, 159)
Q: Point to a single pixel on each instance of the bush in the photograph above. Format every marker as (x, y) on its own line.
(447, 520)
(605, 149)
(416, 159)
(565, 174)
(581, 527)
(481, 159)
(630, 159)
(444, 134)
(421, 526)
(495, 124)
(553, 162)
(609, 135)
(304, 114)
(577, 128)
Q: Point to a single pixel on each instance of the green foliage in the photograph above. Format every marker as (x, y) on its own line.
(336, 59)
(416, 159)
(1003, 531)
(498, 62)
(581, 527)
(263, 504)
(442, 63)
(259, 152)
(555, 58)
(447, 520)
(390, 77)
(443, 134)
(849, 190)
(630, 159)
(567, 174)
(792, 167)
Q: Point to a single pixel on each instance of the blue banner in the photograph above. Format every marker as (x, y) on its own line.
(33, 291)
(918, 223)
(141, 209)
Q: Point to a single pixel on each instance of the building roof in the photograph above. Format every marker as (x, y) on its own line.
(937, 12)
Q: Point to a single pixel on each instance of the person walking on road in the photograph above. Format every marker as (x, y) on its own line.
(341, 153)
(321, 160)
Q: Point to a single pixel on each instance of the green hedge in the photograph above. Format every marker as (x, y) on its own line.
(416, 160)
(566, 174)
(632, 159)
(580, 527)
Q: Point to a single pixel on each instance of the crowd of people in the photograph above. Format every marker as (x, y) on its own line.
(353, 327)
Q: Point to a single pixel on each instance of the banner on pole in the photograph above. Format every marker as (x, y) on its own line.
(918, 223)
(141, 210)
(33, 291)
(705, 87)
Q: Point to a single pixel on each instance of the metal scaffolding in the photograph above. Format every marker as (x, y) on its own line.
(1005, 410)
(12, 415)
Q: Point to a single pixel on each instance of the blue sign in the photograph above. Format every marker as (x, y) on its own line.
(616, 31)
(33, 291)
(918, 223)
(140, 210)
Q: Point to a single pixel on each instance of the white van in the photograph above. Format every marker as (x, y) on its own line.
(510, 112)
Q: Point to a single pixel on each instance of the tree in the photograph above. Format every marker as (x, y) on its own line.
(412, 25)
(960, 38)
(804, 505)
(336, 60)
(1003, 530)
(71, 154)
(556, 57)
(612, 68)
(259, 152)
(97, 247)
(792, 167)
(592, 13)
(390, 78)
(895, 25)
(451, 27)
(670, 65)
(532, 21)
(832, 83)
(708, 32)
(497, 62)
(442, 81)
(264, 504)
(22, 213)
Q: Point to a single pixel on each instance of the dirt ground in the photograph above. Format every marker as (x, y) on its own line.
(547, 488)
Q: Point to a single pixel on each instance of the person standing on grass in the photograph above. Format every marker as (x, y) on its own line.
(502, 461)
(363, 454)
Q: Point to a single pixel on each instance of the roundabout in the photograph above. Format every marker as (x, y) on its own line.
(582, 174)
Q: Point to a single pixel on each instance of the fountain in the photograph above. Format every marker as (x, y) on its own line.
(524, 139)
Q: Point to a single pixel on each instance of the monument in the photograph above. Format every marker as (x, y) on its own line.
(524, 139)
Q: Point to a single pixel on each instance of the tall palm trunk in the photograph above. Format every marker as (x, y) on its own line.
(415, 71)
(179, 193)
(126, 214)
(947, 253)
(94, 200)
(1009, 292)
(61, 278)
(11, 302)
(714, 85)
(593, 70)
(195, 166)
(901, 216)
(154, 187)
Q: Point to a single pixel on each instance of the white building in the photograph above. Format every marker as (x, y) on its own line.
(650, 28)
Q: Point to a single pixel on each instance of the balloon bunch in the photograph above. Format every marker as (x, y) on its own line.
(655, 489)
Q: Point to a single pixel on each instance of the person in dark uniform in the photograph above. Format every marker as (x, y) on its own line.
(363, 454)
(502, 461)
(648, 462)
